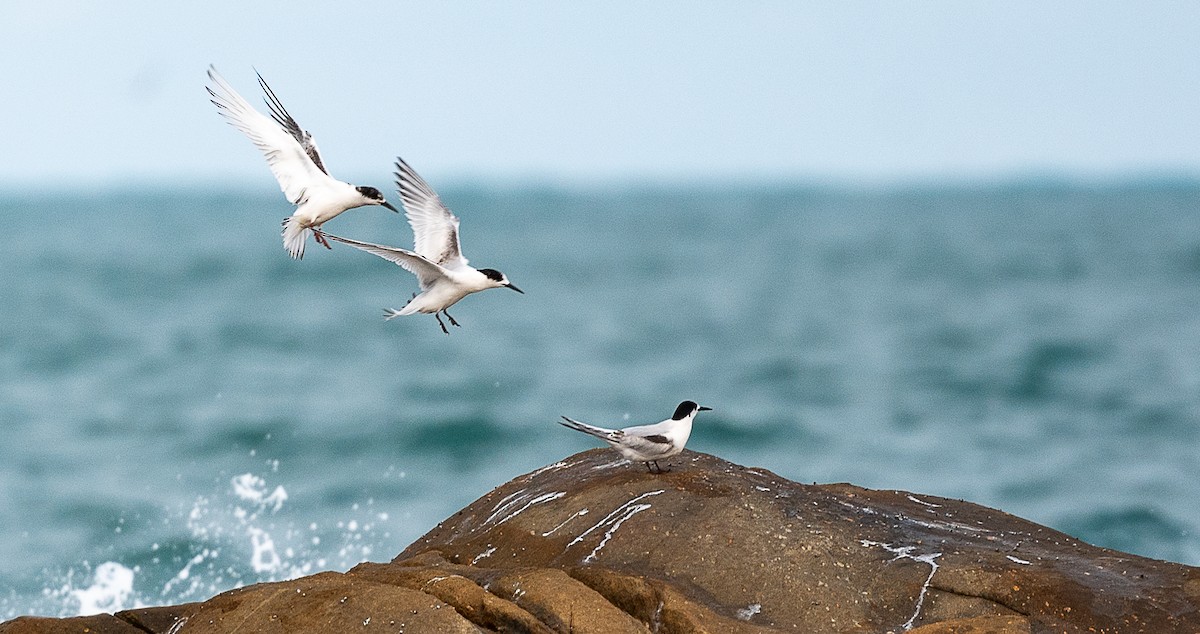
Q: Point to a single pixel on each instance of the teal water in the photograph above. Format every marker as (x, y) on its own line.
(186, 410)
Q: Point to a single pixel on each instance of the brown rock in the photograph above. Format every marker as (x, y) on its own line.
(98, 624)
(595, 544)
(749, 546)
(325, 602)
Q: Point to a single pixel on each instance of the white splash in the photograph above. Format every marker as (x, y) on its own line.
(244, 531)
(112, 587)
(614, 519)
(1017, 561)
(748, 612)
(263, 558)
(252, 488)
(905, 552)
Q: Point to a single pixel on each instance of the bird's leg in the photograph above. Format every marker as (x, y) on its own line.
(435, 316)
(452, 322)
(320, 238)
(648, 467)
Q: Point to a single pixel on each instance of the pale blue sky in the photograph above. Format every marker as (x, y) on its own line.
(112, 92)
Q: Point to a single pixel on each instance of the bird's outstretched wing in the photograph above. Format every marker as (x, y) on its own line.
(285, 120)
(287, 158)
(435, 228)
(427, 272)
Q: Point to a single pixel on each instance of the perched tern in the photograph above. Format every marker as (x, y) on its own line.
(436, 259)
(294, 160)
(647, 443)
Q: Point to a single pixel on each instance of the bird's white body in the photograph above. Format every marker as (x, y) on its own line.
(293, 157)
(646, 443)
(437, 260)
(446, 290)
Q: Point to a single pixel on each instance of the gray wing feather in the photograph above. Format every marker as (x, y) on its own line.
(647, 445)
(292, 166)
(435, 228)
(427, 272)
(288, 123)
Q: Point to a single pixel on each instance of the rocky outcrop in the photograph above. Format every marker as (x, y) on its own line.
(596, 544)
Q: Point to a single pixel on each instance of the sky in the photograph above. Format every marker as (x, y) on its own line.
(112, 94)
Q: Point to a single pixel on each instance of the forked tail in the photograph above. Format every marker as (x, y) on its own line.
(607, 435)
(294, 237)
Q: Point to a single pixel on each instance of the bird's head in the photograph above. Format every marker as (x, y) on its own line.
(499, 280)
(688, 408)
(374, 197)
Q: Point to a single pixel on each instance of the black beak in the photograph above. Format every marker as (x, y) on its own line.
(515, 288)
(705, 409)
(389, 206)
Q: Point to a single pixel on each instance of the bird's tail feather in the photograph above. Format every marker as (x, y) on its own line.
(294, 237)
(607, 435)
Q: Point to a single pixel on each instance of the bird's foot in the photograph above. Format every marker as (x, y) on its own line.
(452, 321)
(320, 238)
(435, 316)
(657, 468)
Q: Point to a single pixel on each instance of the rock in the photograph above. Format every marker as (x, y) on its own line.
(98, 624)
(595, 544)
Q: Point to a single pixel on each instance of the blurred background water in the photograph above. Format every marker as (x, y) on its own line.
(186, 410)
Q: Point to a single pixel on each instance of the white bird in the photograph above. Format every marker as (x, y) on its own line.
(647, 443)
(294, 160)
(437, 260)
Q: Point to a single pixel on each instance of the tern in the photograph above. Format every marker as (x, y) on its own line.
(293, 158)
(647, 443)
(436, 259)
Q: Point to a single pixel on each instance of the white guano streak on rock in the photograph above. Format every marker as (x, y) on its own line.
(550, 467)
(629, 512)
(616, 518)
(748, 612)
(905, 552)
(513, 499)
(564, 523)
(949, 527)
(923, 502)
(545, 497)
(502, 505)
(487, 553)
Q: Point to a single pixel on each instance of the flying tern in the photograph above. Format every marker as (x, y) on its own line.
(436, 259)
(292, 155)
(647, 443)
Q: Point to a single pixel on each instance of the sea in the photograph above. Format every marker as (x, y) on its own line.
(185, 410)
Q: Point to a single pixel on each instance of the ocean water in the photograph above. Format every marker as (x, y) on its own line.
(186, 410)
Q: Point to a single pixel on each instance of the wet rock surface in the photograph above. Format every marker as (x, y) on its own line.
(597, 544)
